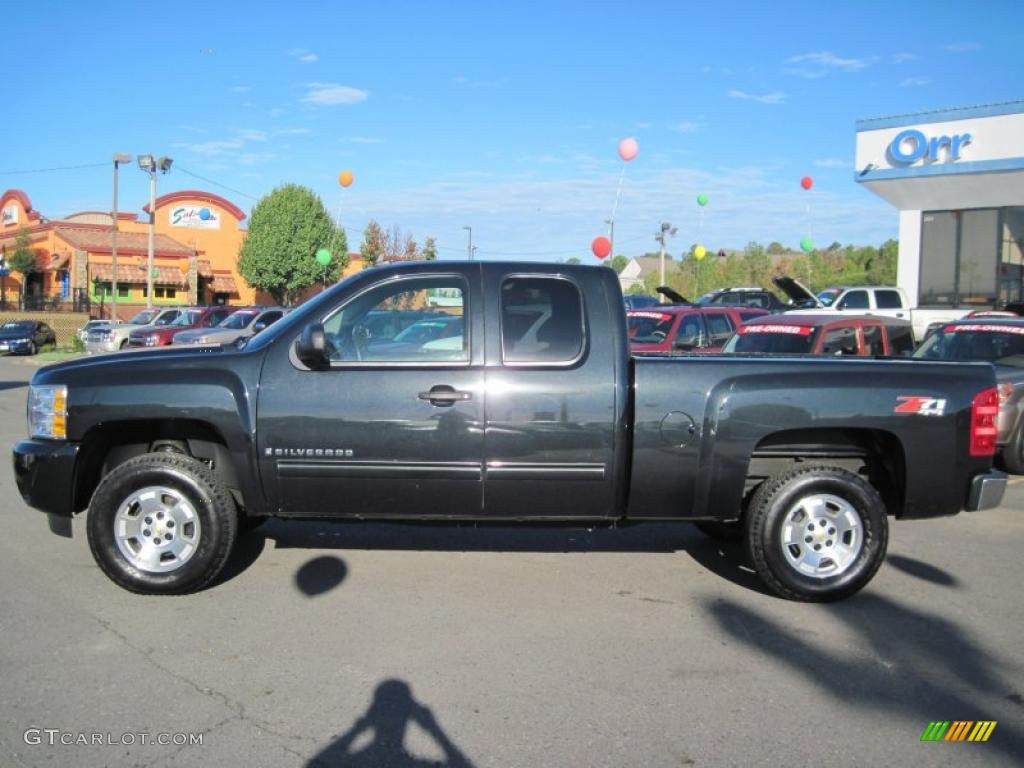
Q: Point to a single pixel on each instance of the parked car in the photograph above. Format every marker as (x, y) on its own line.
(408, 342)
(94, 325)
(541, 416)
(114, 338)
(25, 337)
(640, 301)
(193, 317)
(240, 324)
(996, 340)
(685, 328)
(759, 298)
(813, 334)
(889, 301)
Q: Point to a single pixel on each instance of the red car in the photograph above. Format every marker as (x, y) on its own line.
(193, 317)
(685, 328)
(808, 334)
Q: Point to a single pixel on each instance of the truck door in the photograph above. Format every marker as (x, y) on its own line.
(553, 394)
(394, 426)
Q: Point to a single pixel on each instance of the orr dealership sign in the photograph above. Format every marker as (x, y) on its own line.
(912, 145)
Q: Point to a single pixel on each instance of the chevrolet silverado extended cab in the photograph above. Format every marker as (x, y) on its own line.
(535, 411)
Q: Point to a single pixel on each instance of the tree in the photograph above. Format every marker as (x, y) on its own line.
(286, 229)
(573, 260)
(23, 260)
(429, 252)
(618, 263)
(372, 248)
(775, 247)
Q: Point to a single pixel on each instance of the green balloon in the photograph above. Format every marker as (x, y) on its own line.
(702, 199)
(806, 244)
(323, 257)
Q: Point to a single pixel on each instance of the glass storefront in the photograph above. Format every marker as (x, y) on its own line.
(972, 258)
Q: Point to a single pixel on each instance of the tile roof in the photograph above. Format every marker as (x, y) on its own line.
(224, 284)
(98, 241)
(133, 273)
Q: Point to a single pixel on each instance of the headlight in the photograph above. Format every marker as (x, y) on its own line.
(48, 412)
(20, 341)
(151, 341)
(107, 336)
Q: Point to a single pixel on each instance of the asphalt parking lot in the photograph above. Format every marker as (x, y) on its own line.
(419, 645)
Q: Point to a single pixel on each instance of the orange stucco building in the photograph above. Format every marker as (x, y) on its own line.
(198, 236)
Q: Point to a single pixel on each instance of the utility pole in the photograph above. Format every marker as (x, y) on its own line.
(469, 246)
(119, 157)
(150, 165)
(666, 229)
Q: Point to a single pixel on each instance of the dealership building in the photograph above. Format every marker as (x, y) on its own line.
(956, 176)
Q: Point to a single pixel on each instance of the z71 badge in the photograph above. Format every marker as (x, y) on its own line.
(922, 406)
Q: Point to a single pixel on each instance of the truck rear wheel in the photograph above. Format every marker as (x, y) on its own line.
(816, 534)
(161, 524)
(1013, 452)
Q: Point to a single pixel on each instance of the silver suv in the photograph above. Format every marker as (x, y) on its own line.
(115, 338)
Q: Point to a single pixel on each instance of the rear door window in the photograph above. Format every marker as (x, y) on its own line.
(541, 320)
(888, 299)
(840, 340)
(901, 340)
(873, 341)
(719, 328)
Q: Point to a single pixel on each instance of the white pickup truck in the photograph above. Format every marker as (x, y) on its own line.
(888, 301)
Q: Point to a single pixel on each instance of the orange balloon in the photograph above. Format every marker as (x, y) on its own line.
(345, 178)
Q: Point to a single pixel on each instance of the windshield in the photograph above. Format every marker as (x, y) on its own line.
(828, 296)
(773, 339)
(238, 320)
(22, 326)
(187, 319)
(999, 344)
(649, 327)
(145, 317)
(167, 318)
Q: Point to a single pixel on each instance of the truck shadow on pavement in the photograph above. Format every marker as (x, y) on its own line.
(384, 725)
(922, 570)
(917, 666)
(4, 385)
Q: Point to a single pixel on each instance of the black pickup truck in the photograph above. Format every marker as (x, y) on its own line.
(513, 398)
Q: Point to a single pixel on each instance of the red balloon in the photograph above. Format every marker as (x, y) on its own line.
(601, 246)
(806, 182)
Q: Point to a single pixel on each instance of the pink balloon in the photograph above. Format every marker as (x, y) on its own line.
(628, 149)
(806, 182)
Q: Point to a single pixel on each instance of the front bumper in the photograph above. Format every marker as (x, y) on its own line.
(14, 347)
(101, 347)
(45, 473)
(986, 491)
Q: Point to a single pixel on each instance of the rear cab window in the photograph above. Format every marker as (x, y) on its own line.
(855, 300)
(773, 339)
(840, 340)
(719, 327)
(541, 321)
(888, 299)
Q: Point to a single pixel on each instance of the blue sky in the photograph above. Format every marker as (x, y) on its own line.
(501, 116)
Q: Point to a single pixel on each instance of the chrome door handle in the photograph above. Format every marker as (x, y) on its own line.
(445, 395)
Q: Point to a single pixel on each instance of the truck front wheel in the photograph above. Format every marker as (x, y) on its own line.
(161, 524)
(816, 533)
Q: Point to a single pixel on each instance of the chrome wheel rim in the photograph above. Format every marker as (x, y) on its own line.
(157, 529)
(822, 535)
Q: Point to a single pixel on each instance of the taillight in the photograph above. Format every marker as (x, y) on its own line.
(984, 412)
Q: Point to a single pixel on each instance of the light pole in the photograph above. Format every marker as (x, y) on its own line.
(118, 158)
(666, 229)
(469, 246)
(150, 165)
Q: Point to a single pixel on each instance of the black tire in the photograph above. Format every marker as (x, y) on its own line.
(32, 349)
(778, 498)
(196, 484)
(722, 531)
(124, 343)
(1013, 452)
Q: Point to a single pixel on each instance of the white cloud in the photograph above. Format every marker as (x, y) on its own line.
(911, 82)
(332, 94)
(775, 97)
(276, 112)
(365, 140)
(469, 82)
(963, 47)
(303, 54)
(291, 131)
(685, 127)
(212, 148)
(899, 58)
(815, 65)
(249, 134)
(193, 129)
(833, 162)
(240, 88)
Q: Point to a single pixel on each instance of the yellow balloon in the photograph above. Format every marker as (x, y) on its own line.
(699, 252)
(345, 178)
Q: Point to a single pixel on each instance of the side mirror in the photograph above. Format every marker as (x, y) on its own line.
(686, 343)
(259, 327)
(311, 346)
